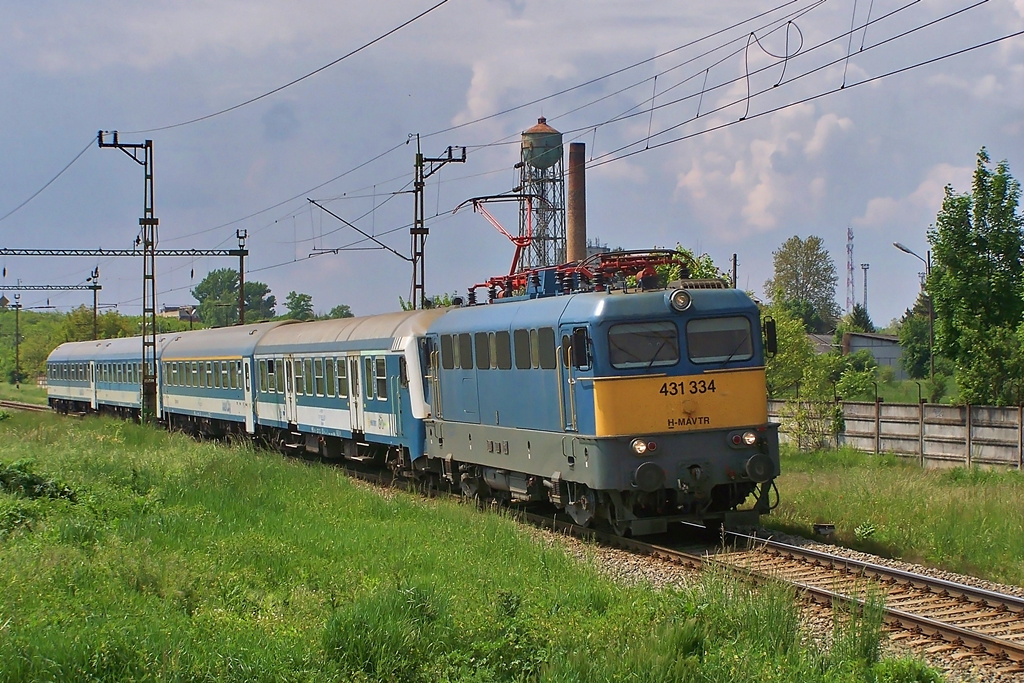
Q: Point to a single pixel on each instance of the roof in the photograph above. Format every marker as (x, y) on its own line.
(390, 328)
(119, 349)
(220, 342)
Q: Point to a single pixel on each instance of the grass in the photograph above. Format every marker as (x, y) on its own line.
(966, 521)
(130, 554)
(26, 393)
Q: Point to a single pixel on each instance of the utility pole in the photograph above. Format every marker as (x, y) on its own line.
(17, 340)
(241, 235)
(864, 267)
(142, 154)
(419, 231)
(95, 287)
(734, 265)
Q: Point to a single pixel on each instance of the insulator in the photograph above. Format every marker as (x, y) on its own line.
(558, 280)
(471, 297)
(508, 287)
(535, 278)
(492, 292)
(599, 281)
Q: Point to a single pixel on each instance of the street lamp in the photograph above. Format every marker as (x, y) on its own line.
(931, 306)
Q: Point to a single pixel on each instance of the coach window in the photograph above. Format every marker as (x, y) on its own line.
(307, 369)
(299, 383)
(342, 378)
(367, 378)
(225, 381)
(209, 374)
(279, 368)
(264, 381)
(233, 373)
(522, 348)
(318, 371)
(215, 365)
(380, 374)
(329, 375)
(267, 370)
(483, 351)
(716, 340)
(403, 372)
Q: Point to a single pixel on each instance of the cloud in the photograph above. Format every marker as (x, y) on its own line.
(924, 200)
(827, 127)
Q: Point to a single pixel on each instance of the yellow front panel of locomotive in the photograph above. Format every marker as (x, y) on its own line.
(713, 400)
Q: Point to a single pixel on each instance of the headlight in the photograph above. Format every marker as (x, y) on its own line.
(749, 438)
(639, 446)
(680, 300)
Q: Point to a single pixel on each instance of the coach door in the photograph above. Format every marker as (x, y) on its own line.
(290, 410)
(250, 404)
(92, 385)
(355, 400)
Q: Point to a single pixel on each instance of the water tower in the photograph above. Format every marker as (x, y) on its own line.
(542, 179)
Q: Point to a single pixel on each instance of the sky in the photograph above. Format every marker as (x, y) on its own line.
(727, 127)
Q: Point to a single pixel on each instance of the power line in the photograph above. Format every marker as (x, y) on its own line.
(297, 80)
(50, 181)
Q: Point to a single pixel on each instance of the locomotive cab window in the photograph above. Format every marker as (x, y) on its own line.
(714, 340)
(643, 345)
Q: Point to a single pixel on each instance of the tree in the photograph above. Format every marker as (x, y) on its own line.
(217, 295)
(300, 306)
(702, 267)
(805, 281)
(339, 311)
(856, 320)
(259, 302)
(785, 369)
(977, 282)
(915, 339)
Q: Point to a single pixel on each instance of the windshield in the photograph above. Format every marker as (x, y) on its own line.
(643, 345)
(713, 340)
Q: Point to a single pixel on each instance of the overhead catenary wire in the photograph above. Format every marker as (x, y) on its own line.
(289, 84)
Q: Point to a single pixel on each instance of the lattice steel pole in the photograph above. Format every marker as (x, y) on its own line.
(142, 154)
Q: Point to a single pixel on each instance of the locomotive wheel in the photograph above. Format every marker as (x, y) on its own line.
(583, 507)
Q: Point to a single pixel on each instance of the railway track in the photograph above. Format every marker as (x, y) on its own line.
(920, 611)
(18, 405)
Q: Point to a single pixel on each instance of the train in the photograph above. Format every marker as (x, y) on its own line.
(621, 402)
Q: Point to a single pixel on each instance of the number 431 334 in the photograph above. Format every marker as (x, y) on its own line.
(693, 386)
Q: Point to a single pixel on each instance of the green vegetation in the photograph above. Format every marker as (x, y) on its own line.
(131, 554)
(26, 393)
(967, 521)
